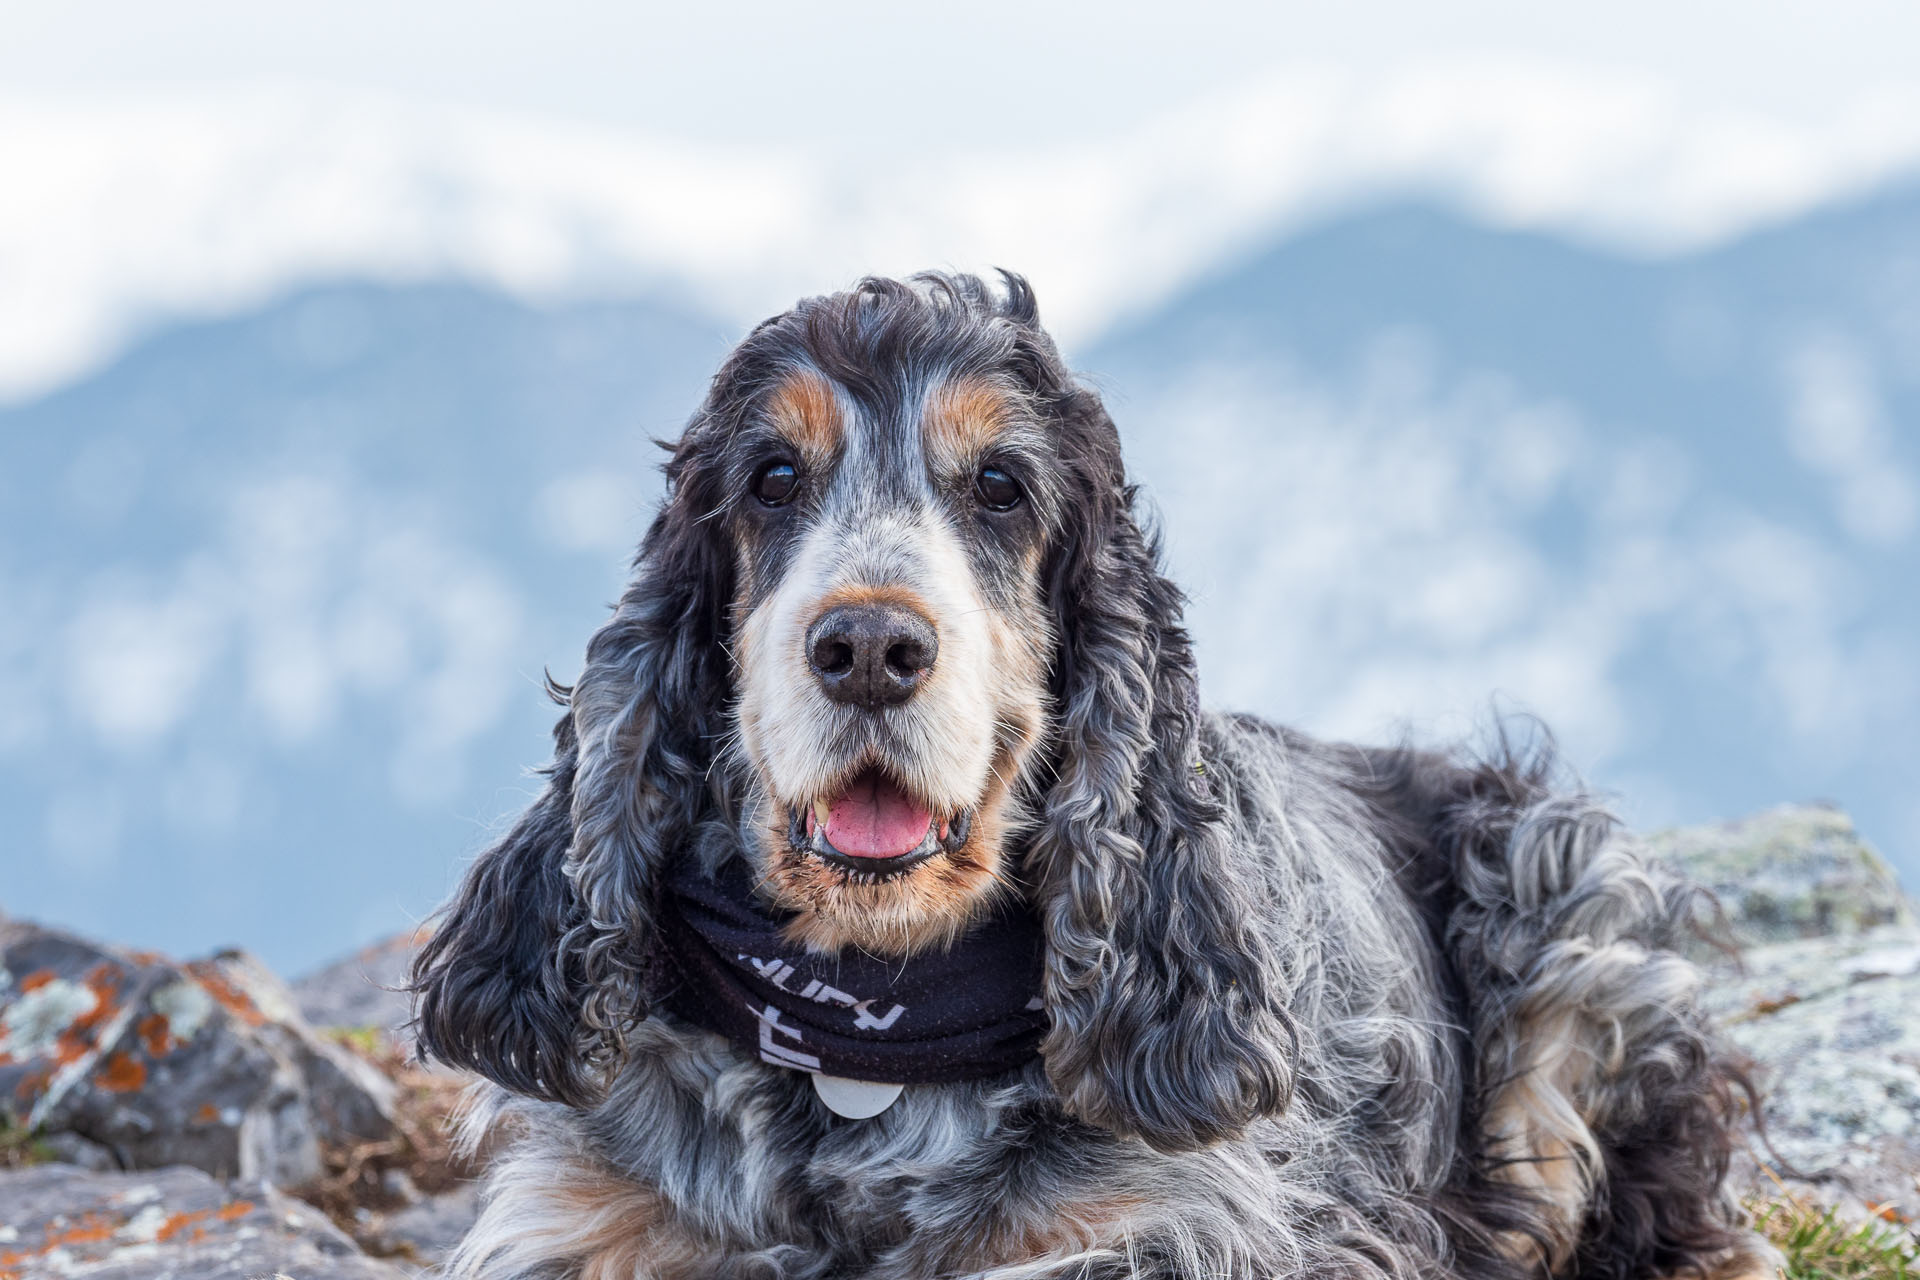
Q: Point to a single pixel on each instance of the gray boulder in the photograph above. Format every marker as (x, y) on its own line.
(207, 1064)
(1824, 996)
(1833, 1028)
(366, 990)
(428, 1230)
(167, 1224)
(1797, 871)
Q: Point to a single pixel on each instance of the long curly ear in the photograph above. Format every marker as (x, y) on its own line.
(544, 958)
(648, 712)
(1168, 1009)
(495, 991)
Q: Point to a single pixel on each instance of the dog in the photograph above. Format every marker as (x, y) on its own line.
(892, 909)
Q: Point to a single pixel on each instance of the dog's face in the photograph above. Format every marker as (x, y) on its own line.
(891, 642)
(898, 624)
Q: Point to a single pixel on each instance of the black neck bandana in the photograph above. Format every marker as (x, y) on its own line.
(962, 1014)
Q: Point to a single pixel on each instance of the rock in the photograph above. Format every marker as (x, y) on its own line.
(205, 1064)
(1833, 1027)
(398, 1184)
(350, 1098)
(71, 1148)
(1797, 871)
(166, 1224)
(428, 1231)
(365, 990)
(1824, 996)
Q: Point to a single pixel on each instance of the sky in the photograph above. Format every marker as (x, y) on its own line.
(200, 157)
(881, 79)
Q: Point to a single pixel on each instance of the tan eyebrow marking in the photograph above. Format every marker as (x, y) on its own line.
(805, 410)
(963, 419)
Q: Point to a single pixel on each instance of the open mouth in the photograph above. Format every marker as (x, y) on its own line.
(875, 828)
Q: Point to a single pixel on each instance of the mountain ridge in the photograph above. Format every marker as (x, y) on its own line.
(1396, 483)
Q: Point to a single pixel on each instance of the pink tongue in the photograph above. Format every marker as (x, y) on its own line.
(876, 819)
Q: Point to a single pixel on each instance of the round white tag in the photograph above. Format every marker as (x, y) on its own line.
(855, 1099)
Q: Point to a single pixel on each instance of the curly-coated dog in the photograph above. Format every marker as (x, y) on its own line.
(892, 908)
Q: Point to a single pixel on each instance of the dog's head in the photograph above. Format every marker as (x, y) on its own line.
(898, 634)
(890, 482)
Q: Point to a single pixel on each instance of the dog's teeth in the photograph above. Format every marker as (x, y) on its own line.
(820, 811)
(944, 826)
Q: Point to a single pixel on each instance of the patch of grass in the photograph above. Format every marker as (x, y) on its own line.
(1821, 1245)
(369, 1042)
(20, 1148)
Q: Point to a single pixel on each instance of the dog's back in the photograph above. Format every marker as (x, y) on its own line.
(1596, 1110)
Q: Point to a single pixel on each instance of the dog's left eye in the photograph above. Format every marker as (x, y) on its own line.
(775, 482)
(997, 490)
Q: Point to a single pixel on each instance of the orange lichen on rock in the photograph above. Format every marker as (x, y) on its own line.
(123, 1073)
(90, 1228)
(156, 1035)
(36, 980)
(180, 1222)
(82, 1034)
(230, 997)
(32, 1084)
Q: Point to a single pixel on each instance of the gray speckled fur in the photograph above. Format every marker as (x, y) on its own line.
(1315, 1010)
(1360, 1175)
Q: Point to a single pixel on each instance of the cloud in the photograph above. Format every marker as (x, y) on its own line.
(312, 598)
(137, 663)
(1837, 426)
(211, 202)
(588, 511)
(1362, 560)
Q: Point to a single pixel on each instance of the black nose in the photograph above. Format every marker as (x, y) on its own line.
(871, 655)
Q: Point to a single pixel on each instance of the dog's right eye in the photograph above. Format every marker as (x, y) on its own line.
(997, 490)
(775, 482)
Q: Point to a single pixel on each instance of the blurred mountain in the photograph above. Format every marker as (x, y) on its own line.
(1409, 463)
(279, 588)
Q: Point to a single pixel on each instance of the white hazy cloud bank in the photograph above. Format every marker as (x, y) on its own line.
(1840, 429)
(1366, 563)
(124, 210)
(305, 604)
